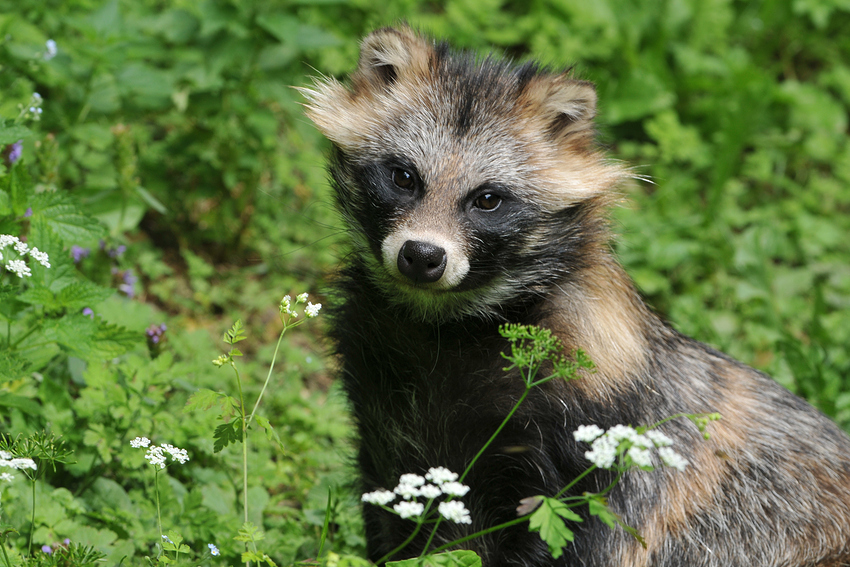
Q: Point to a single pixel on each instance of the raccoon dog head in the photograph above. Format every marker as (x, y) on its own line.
(469, 184)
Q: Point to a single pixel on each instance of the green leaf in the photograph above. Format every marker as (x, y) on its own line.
(599, 508)
(547, 520)
(203, 399)
(227, 433)
(457, 558)
(12, 133)
(39, 296)
(82, 294)
(235, 334)
(26, 405)
(271, 434)
(66, 218)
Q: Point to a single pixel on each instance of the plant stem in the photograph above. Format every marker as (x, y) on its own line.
(32, 520)
(403, 544)
(244, 453)
(575, 480)
(156, 494)
(5, 556)
(268, 377)
(507, 524)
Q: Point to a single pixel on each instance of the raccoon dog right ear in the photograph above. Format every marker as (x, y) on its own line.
(389, 53)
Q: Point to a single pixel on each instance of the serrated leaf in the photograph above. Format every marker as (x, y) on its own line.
(66, 218)
(548, 521)
(235, 334)
(12, 133)
(39, 296)
(26, 405)
(227, 433)
(90, 339)
(202, 399)
(82, 294)
(597, 507)
(457, 558)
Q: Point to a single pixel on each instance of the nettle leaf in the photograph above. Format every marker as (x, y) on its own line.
(227, 433)
(90, 339)
(39, 296)
(83, 294)
(66, 218)
(548, 520)
(11, 133)
(457, 558)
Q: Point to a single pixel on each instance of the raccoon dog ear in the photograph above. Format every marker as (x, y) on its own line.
(389, 53)
(567, 106)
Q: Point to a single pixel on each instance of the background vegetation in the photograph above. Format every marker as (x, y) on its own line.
(171, 146)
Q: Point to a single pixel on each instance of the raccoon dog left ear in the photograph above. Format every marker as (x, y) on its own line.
(567, 106)
(388, 53)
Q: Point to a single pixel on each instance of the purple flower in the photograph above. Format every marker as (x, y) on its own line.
(67, 541)
(28, 212)
(117, 252)
(128, 286)
(155, 333)
(78, 252)
(88, 312)
(47, 549)
(16, 151)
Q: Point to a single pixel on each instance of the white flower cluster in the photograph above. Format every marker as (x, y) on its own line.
(17, 266)
(156, 455)
(311, 311)
(606, 445)
(412, 486)
(6, 460)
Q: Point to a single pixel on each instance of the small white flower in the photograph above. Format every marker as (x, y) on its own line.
(454, 511)
(640, 456)
(6, 240)
(406, 491)
(622, 433)
(21, 247)
(587, 433)
(165, 538)
(454, 488)
(19, 464)
(180, 455)
(603, 452)
(286, 306)
(213, 549)
(439, 475)
(672, 459)
(379, 497)
(6, 477)
(430, 491)
(411, 479)
(5, 455)
(658, 438)
(41, 257)
(140, 442)
(409, 509)
(19, 268)
(312, 310)
(301, 298)
(36, 96)
(155, 456)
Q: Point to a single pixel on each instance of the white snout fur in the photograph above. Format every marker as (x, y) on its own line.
(457, 264)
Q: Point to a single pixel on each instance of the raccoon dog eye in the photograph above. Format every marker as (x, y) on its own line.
(403, 178)
(488, 202)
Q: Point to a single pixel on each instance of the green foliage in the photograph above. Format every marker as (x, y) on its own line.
(169, 128)
(458, 558)
(548, 520)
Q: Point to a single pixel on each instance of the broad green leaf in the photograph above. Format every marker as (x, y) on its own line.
(457, 558)
(26, 405)
(12, 133)
(82, 294)
(65, 218)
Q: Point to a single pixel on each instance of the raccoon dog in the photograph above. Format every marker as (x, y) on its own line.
(475, 195)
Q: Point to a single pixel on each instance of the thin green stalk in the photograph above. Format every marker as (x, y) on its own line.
(507, 524)
(268, 377)
(32, 519)
(403, 544)
(5, 556)
(575, 480)
(244, 452)
(156, 494)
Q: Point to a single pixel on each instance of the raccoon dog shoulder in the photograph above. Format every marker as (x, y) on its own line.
(474, 195)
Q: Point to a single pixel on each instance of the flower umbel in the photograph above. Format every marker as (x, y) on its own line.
(634, 448)
(157, 455)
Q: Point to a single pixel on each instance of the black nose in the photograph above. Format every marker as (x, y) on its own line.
(421, 262)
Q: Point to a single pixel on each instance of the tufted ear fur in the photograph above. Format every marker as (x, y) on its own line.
(565, 106)
(388, 54)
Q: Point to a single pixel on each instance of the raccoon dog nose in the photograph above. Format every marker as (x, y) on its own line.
(421, 262)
